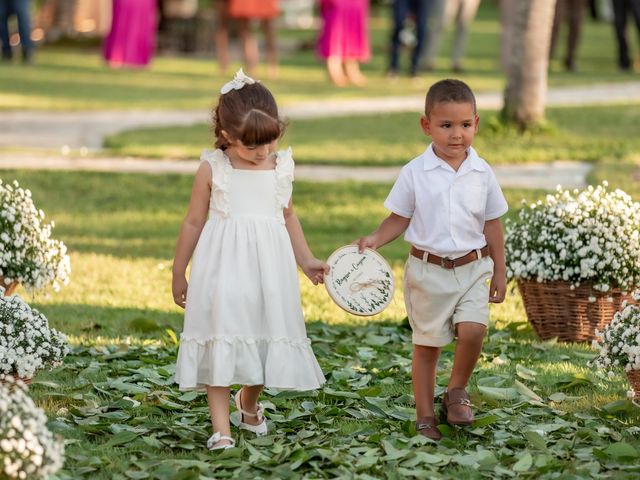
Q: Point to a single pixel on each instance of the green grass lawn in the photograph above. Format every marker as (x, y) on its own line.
(575, 133)
(541, 410)
(76, 78)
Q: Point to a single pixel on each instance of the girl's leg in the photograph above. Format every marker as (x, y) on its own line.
(218, 398)
(249, 45)
(249, 402)
(336, 72)
(423, 375)
(468, 347)
(352, 69)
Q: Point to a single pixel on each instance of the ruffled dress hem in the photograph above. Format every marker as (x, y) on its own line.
(277, 363)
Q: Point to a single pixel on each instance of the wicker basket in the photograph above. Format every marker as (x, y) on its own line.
(26, 381)
(554, 310)
(634, 381)
(8, 289)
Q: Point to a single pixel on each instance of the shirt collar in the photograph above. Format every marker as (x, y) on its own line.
(472, 162)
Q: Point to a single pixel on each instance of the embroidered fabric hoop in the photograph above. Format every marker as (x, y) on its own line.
(360, 283)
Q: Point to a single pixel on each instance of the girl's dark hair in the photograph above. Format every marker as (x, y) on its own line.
(449, 90)
(249, 115)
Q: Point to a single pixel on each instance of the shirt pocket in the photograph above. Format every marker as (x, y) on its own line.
(474, 199)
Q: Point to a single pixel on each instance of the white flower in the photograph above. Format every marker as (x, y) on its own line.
(590, 236)
(27, 251)
(619, 343)
(27, 344)
(28, 449)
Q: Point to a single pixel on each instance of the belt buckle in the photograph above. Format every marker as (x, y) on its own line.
(444, 260)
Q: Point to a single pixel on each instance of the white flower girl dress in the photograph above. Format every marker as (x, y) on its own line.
(243, 320)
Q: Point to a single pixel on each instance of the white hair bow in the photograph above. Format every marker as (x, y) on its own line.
(239, 81)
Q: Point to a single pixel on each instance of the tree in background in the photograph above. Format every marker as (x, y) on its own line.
(526, 89)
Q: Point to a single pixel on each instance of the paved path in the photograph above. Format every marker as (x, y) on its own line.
(547, 176)
(74, 130)
(84, 132)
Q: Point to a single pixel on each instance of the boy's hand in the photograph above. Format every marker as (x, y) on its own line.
(497, 288)
(316, 270)
(365, 242)
(179, 289)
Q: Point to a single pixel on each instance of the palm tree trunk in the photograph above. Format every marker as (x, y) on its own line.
(526, 90)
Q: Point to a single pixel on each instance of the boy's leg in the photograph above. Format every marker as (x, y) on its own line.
(456, 401)
(218, 399)
(423, 375)
(468, 347)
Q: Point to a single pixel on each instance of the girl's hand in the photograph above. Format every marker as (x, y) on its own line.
(497, 288)
(179, 289)
(316, 270)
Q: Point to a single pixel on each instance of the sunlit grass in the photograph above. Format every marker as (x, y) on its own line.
(120, 318)
(121, 231)
(578, 133)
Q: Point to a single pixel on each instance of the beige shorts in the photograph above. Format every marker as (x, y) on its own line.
(437, 298)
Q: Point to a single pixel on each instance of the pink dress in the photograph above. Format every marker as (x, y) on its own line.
(345, 29)
(131, 40)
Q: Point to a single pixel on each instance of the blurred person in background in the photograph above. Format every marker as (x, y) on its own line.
(419, 11)
(621, 10)
(131, 41)
(507, 21)
(570, 12)
(344, 39)
(21, 10)
(246, 12)
(445, 12)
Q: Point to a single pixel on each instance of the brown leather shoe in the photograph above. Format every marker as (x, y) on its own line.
(457, 406)
(426, 426)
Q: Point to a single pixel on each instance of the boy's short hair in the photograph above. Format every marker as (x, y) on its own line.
(449, 90)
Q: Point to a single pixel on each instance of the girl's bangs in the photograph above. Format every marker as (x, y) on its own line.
(260, 129)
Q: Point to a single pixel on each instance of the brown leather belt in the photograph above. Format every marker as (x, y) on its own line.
(449, 263)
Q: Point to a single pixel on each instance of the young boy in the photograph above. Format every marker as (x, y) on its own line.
(449, 202)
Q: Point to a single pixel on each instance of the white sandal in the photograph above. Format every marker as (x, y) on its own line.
(217, 437)
(259, 429)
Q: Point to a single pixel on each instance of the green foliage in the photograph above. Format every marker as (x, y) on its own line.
(115, 403)
(123, 416)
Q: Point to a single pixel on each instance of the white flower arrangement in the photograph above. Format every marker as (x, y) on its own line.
(27, 344)
(619, 343)
(28, 254)
(590, 236)
(28, 449)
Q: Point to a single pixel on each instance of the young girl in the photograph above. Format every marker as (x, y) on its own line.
(243, 320)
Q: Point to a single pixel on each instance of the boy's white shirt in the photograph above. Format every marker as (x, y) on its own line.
(448, 209)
